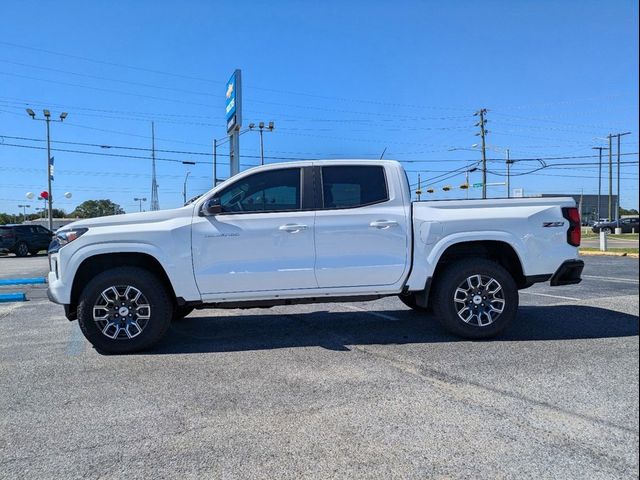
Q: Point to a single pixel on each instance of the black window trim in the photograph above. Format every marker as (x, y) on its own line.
(320, 188)
(306, 194)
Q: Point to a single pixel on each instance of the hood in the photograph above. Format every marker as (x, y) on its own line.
(130, 218)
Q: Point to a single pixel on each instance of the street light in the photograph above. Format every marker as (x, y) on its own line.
(47, 120)
(261, 127)
(24, 211)
(184, 188)
(140, 200)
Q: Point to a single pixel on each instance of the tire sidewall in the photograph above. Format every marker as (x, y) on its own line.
(20, 247)
(449, 281)
(151, 288)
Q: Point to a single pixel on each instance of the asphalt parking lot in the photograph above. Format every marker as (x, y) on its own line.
(365, 390)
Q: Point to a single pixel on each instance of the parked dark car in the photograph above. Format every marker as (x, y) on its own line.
(24, 239)
(627, 224)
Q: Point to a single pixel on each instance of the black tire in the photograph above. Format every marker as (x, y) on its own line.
(22, 249)
(153, 291)
(410, 301)
(180, 312)
(446, 308)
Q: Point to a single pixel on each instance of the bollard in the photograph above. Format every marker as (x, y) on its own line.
(618, 231)
(603, 241)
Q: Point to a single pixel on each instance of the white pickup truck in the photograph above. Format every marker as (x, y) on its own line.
(305, 232)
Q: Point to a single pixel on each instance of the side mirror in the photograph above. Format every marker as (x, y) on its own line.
(212, 207)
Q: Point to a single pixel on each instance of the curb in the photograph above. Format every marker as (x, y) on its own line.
(22, 281)
(13, 297)
(609, 254)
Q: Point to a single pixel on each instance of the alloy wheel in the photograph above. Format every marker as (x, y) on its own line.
(121, 312)
(479, 300)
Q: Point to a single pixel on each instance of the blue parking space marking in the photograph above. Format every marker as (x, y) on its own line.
(22, 281)
(12, 297)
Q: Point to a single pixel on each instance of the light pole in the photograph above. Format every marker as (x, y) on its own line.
(184, 187)
(261, 129)
(140, 200)
(47, 120)
(618, 135)
(599, 177)
(24, 211)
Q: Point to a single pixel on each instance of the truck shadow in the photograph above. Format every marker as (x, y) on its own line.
(338, 330)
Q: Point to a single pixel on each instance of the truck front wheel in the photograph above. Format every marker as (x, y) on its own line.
(475, 298)
(124, 310)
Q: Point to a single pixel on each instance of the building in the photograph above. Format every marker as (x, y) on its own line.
(589, 205)
(57, 222)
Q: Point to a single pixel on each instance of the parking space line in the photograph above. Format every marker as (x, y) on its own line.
(612, 279)
(375, 314)
(552, 296)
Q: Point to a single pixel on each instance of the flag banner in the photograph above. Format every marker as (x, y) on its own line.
(51, 167)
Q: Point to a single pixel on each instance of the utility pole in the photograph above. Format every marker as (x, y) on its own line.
(483, 132)
(47, 120)
(599, 177)
(617, 135)
(509, 163)
(155, 204)
(419, 190)
(609, 216)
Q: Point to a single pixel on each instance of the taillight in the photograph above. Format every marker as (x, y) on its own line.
(574, 234)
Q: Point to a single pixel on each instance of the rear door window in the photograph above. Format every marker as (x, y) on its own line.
(351, 186)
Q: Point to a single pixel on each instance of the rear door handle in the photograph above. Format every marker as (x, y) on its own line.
(383, 224)
(292, 227)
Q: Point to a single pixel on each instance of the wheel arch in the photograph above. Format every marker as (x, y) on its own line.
(499, 251)
(106, 261)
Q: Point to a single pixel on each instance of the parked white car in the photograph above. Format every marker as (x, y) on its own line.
(316, 231)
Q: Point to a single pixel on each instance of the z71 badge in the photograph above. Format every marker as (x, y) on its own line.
(552, 224)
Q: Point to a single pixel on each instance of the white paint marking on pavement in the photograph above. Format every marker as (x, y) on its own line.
(612, 279)
(553, 296)
(75, 345)
(375, 314)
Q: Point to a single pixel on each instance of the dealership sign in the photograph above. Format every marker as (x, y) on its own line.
(233, 102)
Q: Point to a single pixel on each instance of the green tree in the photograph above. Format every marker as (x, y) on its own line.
(58, 213)
(96, 208)
(6, 218)
(632, 211)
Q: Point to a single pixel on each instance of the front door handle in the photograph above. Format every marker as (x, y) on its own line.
(383, 224)
(292, 227)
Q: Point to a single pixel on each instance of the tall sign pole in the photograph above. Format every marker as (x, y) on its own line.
(233, 116)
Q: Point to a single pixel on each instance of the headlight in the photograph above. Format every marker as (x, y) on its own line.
(67, 236)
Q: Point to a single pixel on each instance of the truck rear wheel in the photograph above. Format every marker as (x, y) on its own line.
(124, 310)
(475, 298)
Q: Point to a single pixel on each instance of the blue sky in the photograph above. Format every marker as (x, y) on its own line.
(339, 79)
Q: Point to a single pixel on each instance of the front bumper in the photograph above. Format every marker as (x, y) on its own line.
(568, 273)
(56, 290)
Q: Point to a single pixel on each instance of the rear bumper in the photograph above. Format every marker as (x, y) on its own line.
(568, 273)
